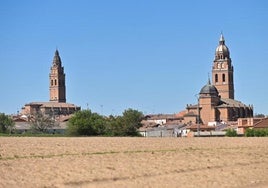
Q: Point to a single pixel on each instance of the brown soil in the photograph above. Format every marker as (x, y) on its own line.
(133, 162)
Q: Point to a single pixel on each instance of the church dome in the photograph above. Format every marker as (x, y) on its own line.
(222, 50)
(209, 89)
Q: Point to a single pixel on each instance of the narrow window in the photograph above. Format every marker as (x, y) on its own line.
(223, 78)
(55, 82)
(51, 82)
(216, 78)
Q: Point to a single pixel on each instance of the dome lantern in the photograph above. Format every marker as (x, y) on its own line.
(222, 50)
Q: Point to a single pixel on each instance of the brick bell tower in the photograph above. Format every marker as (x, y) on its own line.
(57, 88)
(223, 71)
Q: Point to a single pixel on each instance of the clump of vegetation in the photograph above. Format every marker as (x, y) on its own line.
(256, 132)
(40, 122)
(87, 123)
(6, 124)
(231, 133)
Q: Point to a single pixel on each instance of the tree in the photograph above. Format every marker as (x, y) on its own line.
(92, 124)
(131, 122)
(259, 116)
(6, 123)
(86, 123)
(115, 127)
(40, 122)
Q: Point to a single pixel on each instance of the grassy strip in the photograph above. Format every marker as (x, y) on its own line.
(117, 152)
(32, 135)
(85, 154)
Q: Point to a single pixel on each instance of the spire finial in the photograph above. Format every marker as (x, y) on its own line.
(209, 83)
(221, 39)
(56, 59)
(57, 52)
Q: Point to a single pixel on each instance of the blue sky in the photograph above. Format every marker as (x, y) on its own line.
(149, 55)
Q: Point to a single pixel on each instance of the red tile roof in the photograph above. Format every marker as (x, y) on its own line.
(181, 114)
(262, 123)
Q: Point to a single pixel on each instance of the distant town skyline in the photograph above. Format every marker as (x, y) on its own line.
(152, 56)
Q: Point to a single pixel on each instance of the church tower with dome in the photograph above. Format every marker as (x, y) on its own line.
(216, 101)
(223, 71)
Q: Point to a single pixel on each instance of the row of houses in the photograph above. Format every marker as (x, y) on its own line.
(162, 125)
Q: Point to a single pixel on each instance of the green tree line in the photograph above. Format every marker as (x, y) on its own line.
(87, 123)
(256, 132)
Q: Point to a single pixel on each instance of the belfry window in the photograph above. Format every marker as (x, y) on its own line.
(216, 78)
(223, 78)
(55, 82)
(51, 83)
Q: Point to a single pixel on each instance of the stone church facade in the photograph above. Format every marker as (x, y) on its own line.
(216, 102)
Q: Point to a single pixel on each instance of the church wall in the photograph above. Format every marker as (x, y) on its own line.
(193, 111)
(189, 119)
(206, 109)
(30, 109)
(224, 114)
(25, 110)
(208, 113)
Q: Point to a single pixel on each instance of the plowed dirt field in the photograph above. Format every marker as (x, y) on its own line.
(133, 162)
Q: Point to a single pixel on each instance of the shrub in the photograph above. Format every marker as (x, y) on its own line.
(249, 133)
(231, 133)
(256, 132)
